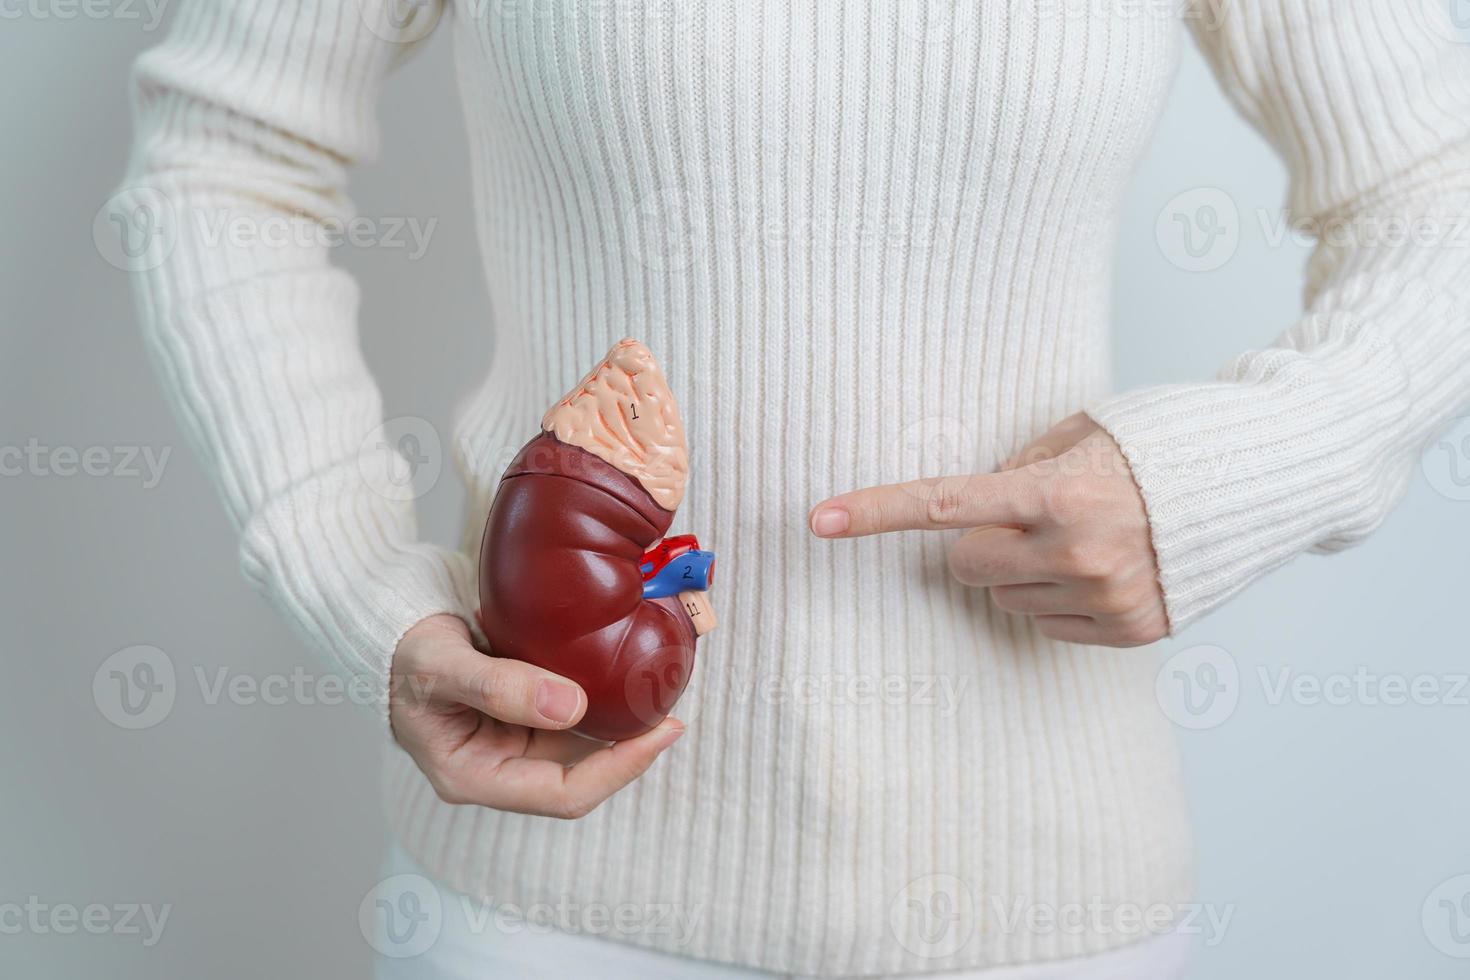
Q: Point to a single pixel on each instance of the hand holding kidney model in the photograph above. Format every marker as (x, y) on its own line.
(575, 573)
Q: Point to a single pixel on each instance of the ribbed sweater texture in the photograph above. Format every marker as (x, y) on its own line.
(869, 240)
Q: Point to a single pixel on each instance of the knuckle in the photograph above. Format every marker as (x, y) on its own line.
(962, 565)
(1071, 497)
(573, 807)
(1060, 496)
(974, 561)
(407, 681)
(1115, 602)
(445, 789)
(1156, 630)
(1005, 598)
(869, 513)
(408, 657)
(1130, 636)
(498, 690)
(1136, 563)
(945, 502)
(490, 692)
(1048, 630)
(1138, 632)
(1078, 423)
(1086, 559)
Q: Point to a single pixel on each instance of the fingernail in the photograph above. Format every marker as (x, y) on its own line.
(557, 701)
(829, 521)
(671, 734)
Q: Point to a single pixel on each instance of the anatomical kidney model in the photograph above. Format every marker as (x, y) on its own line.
(576, 575)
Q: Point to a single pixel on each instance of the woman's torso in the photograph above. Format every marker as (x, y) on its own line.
(868, 241)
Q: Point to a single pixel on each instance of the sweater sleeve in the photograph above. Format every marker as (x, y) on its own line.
(247, 116)
(1308, 443)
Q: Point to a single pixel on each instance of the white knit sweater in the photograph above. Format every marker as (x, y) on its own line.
(868, 239)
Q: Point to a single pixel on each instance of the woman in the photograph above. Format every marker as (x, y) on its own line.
(852, 232)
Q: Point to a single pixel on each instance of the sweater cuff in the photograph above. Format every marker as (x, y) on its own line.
(1301, 446)
(1224, 498)
(1239, 476)
(343, 565)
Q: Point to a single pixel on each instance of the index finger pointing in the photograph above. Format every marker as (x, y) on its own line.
(932, 504)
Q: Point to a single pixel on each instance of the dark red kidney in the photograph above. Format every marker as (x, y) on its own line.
(560, 586)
